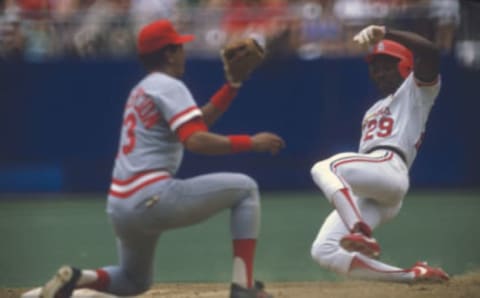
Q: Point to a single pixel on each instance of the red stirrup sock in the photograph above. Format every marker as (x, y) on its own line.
(102, 282)
(243, 255)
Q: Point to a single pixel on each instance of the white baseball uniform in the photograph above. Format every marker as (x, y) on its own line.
(146, 199)
(376, 177)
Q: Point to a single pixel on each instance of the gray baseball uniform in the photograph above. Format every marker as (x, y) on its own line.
(145, 197)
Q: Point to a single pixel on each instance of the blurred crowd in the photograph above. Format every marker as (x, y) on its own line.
(38, 30)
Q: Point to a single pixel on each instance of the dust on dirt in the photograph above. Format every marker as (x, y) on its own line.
(464, 286)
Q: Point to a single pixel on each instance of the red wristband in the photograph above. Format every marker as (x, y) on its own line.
(240, 143)
(223, 97)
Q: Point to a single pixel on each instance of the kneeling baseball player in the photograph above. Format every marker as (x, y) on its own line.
(161, 118)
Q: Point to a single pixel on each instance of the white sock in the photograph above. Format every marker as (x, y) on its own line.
(239, 274)
(87, 277)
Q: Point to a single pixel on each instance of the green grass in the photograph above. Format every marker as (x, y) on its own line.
(40, 234)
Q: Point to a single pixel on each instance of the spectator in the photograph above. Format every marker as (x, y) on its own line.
(40, 34)
(205, 20)
(320, 30)
(105, 30)
(446, 18)
(269, 18)
(40, 29)
(11, 37)
(146, 11)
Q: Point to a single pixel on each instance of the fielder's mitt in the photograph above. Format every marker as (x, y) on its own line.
(240, 58)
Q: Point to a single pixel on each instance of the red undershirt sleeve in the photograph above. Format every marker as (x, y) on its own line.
(188, 128)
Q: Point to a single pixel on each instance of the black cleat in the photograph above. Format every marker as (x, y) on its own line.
(62, 283)
(257, 291)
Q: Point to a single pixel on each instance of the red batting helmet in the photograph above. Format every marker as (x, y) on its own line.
(394, 49)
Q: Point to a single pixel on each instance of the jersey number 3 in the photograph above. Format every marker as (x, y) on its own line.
(129, 123)
(381, 128)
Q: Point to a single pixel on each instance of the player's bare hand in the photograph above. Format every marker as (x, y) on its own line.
(267, 142)
(370, 35)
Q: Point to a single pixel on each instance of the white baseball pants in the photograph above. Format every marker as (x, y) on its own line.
(377, 182)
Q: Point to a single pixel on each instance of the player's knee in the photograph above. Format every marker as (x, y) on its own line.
(140, 286)
(391, 212)
(318, 170)
(329, 255)
(325, 179)
(321, 252)
(245, 182)
(134, 283)
(402, 189)
(248, 191)
(251, 184)
(397, 193)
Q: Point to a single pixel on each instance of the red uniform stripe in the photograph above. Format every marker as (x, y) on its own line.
(345, 160)
(346, 193)
(340, 162)
(132, 179)
(129, 192)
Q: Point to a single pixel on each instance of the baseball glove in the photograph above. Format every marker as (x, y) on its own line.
(240, 58)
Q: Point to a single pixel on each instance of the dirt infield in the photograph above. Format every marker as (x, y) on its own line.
(465, 286)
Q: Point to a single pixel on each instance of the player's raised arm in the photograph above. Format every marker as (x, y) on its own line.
(240, 58)
(426, 54)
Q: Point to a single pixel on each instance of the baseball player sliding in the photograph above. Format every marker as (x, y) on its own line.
(367, 188)
(160, 119)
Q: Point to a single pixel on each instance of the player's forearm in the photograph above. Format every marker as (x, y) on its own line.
(427, 56)
(219, 103)
(416, 43)
(211, 114)
(208, 143)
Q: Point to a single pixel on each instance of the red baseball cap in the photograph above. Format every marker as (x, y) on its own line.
(159, 34)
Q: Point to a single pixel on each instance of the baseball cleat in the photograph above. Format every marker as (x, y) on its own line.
(362, 244)
(62, 283)
(257, 291)
(425, 273)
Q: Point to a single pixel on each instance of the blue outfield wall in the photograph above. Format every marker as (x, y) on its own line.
(60, 121)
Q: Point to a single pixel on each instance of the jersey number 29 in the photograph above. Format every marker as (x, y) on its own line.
(381, 128)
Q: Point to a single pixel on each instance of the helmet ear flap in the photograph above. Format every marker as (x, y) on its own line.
(404, 67)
